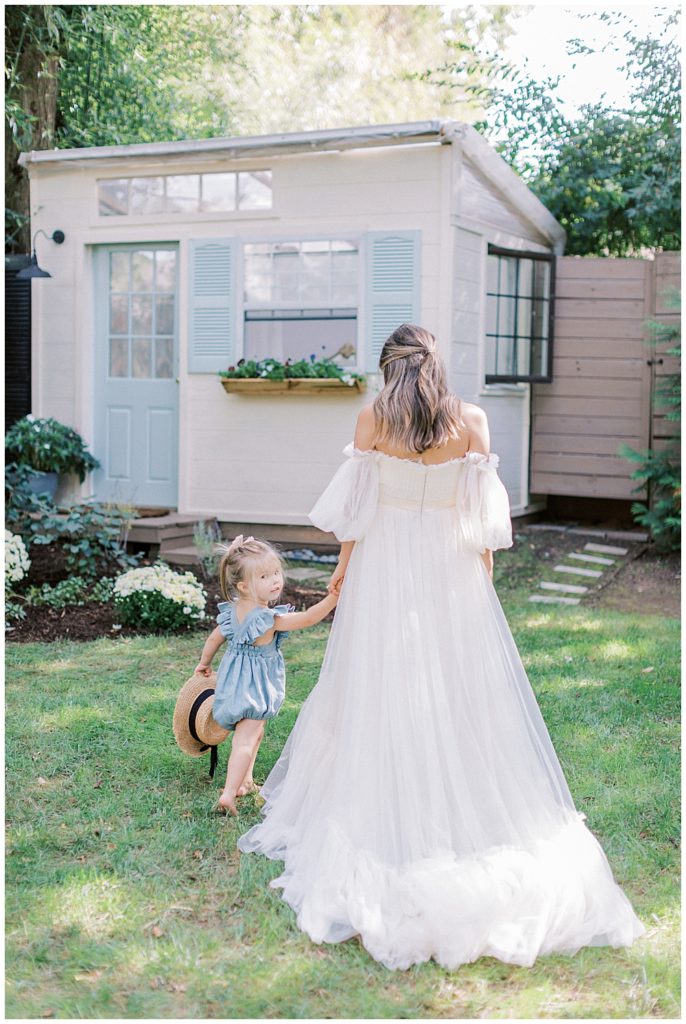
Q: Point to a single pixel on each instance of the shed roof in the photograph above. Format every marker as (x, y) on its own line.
(440, 132)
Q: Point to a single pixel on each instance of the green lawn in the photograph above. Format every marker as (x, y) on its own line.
(126, 898)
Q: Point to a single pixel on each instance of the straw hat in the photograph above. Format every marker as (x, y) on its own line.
(195, 730)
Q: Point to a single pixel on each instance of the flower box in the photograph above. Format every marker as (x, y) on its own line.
(290, 385)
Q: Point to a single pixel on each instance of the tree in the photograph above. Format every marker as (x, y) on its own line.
(610, 177)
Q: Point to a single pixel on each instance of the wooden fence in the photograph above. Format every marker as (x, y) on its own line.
(604, 375)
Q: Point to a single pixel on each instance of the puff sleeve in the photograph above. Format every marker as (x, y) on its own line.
(224, 620)
(347, 506)
(483, 504)
(259, 622)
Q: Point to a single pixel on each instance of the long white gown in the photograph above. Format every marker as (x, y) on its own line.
(418, 801)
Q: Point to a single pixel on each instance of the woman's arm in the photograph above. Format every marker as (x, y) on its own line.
(364, 435)
(479, 441)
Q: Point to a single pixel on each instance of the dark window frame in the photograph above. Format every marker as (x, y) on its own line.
(498, 378)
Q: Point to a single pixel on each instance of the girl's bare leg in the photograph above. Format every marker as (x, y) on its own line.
(246, 738)
(248, 784)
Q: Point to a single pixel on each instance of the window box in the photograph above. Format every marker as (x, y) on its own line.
(290, 385)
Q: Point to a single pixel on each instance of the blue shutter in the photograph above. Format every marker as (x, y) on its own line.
(212, 313)
(393, 289)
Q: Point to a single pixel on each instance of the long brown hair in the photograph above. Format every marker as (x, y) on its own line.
(415, 410)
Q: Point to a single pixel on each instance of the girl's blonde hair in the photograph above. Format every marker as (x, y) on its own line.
(242, 564)
(415, 410)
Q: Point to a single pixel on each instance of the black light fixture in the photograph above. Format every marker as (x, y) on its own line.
(33, 270)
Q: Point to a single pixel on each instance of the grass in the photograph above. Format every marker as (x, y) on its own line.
(125, 897)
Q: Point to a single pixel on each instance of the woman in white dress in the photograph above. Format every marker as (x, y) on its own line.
(418, 802)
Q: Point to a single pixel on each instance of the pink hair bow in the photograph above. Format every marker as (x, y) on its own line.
(237, 541)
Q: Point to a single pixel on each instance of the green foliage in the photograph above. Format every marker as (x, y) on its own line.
(610, 177)
(48, 446)
(273, 369)
(206, 536)
(159, 599)
(70, 592)
(92, 535)
(659, 469)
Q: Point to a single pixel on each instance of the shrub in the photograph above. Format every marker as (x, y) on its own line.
(75, 591)
(659, 469)
(17, 559)
(206, 536)
(48, 446)
(159, 598)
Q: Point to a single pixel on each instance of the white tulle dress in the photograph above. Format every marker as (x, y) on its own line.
(418, 801)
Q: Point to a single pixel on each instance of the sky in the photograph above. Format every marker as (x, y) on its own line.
(538, 43)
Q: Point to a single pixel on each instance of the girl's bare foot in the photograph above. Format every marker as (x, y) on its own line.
(226, 801)
(248, 785)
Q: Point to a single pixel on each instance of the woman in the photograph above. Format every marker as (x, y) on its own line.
(419, 802)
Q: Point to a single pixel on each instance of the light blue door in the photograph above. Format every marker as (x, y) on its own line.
(136, 374)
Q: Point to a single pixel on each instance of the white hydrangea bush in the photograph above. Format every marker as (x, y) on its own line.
(156, 597)
(17, 561)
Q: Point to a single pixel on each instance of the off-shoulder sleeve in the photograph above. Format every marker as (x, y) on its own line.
(224, 620)
(483, 504)
(347, 506)
(261, 621)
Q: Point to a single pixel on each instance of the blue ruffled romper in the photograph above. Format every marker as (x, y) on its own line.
(251, 680)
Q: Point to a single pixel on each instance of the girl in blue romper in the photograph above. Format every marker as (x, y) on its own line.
(251, 678)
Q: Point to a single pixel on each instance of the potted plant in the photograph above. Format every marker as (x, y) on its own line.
(305, 376)
(50, 448)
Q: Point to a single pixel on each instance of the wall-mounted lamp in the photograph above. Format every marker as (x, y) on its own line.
(33, 270)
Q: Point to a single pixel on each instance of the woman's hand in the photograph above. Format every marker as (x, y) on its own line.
(487, 559)
(336, 582)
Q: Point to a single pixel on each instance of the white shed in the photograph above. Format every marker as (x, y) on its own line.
(181, 258)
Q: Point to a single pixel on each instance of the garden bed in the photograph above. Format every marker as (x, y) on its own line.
(91, 621)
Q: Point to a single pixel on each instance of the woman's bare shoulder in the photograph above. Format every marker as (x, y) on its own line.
(364, 428)
(472, 414)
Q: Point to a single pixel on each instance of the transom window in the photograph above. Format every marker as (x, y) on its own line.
(519, 322)
(142, 285)
(222, 192)
(301, 298)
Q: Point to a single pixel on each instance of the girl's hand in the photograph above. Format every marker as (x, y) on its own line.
(336, 582)
(202, 669)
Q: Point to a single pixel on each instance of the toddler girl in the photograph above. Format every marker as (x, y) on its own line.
(251, 676)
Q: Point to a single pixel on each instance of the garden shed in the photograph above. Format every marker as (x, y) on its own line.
(182, 258)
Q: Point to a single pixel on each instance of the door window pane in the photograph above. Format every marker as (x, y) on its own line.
(164, 355)
(120, 263)
(119, 357)
(164, 314)
(165, 270)
(141, 314)
(119, 314)
(141, 350)
(142, 264)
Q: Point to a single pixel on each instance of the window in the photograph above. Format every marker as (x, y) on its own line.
(301, 299)
(519, 315)
(141, 291)
(222, 192)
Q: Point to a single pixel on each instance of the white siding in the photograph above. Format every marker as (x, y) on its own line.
(481, 215)
(263, 459)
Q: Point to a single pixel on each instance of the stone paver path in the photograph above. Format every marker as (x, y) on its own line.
(592, 555)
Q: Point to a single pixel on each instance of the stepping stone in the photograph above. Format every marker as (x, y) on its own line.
(553, 599)
(576, 569)
(568, 588)
(598, 559)
(315, 575)
(634, 536)
(606, 549)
